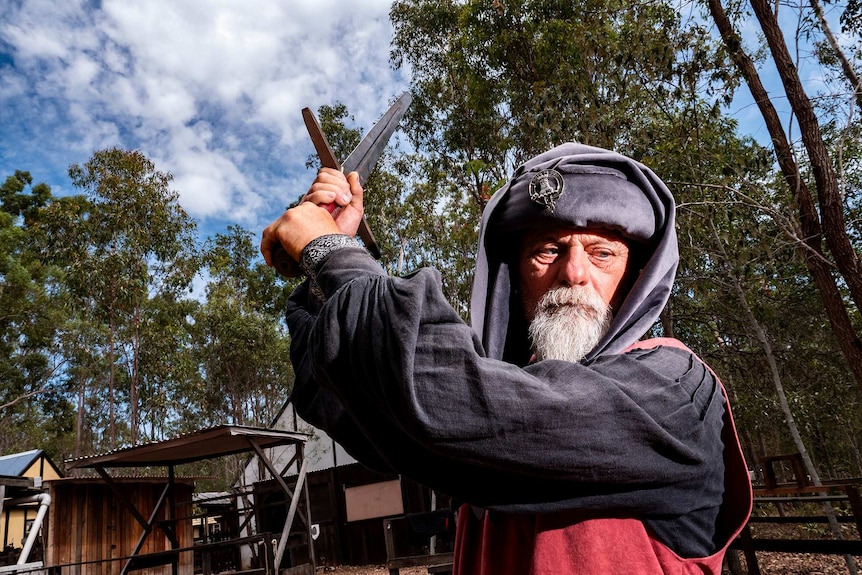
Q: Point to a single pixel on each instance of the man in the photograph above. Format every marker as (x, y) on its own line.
(578, 449)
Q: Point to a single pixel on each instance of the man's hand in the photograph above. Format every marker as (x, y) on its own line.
(311, 218)
(333, 187)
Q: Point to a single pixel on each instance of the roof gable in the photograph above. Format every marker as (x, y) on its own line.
(16, 464)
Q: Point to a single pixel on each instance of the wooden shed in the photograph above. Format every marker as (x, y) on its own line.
(119, 525)
(90, 524)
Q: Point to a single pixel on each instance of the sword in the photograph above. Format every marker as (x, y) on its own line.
(361, 160)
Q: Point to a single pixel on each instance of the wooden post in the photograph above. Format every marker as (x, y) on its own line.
(748, 549)
(300, 456)
(855, 505)
(390, 545)
(768, 473)
(799, 470)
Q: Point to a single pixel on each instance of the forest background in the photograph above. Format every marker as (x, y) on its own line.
(103, 343)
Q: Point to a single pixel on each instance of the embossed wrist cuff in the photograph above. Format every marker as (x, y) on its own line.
(316, 251)
(318, 248)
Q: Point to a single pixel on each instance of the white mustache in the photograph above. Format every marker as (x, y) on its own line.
(584, 299)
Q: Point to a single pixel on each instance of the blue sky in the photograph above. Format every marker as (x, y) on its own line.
(210, 91)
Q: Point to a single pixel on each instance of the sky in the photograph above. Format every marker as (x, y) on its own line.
(211, 92)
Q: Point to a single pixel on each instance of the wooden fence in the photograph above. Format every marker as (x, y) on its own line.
(783, 504)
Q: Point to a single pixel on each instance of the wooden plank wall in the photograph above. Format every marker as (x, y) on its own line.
(87, 523)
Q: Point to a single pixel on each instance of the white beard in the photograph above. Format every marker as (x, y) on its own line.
(569, 323)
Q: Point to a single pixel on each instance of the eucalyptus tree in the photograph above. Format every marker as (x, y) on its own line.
(131, 239)
(169, 373)
(82, 342)
(240, 341)
(33, 407)
(813, 173)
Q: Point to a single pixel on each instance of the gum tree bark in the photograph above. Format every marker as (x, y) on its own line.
(825, 178)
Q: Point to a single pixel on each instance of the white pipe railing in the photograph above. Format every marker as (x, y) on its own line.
(44, 500)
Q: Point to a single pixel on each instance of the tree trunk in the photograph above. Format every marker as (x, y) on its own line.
(666, 319)
(828, 193)
(133, 384)
(854, 447)
(112, 429)
(79, 419)
(811, 249)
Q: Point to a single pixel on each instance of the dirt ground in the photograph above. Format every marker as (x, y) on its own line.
(371, 570)
(770, 564)
(802, 564)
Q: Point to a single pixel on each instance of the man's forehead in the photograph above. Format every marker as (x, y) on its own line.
(557, 232)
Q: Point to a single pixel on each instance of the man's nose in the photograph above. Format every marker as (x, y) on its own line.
(574, 268)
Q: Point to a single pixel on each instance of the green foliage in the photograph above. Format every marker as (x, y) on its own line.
(496, 80)
(31, 308)
(239, 342)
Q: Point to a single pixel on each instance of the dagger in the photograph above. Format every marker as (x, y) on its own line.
(361, 160)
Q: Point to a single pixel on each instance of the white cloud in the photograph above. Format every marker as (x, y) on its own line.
(211, 91)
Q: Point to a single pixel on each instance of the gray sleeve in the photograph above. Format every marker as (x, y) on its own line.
(638, 432)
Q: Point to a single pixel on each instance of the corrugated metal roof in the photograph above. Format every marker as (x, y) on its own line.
(194, 446)
(17, 463)
(213, 498)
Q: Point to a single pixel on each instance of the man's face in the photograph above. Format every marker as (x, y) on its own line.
(570, 279)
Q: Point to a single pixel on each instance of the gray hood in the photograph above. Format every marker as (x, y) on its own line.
(598, 189)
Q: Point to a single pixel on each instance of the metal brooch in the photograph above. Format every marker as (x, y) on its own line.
(546, 187)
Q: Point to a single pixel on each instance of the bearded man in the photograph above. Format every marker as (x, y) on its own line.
(577, 447)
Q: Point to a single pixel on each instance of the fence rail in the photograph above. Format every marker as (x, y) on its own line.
(779, 496)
